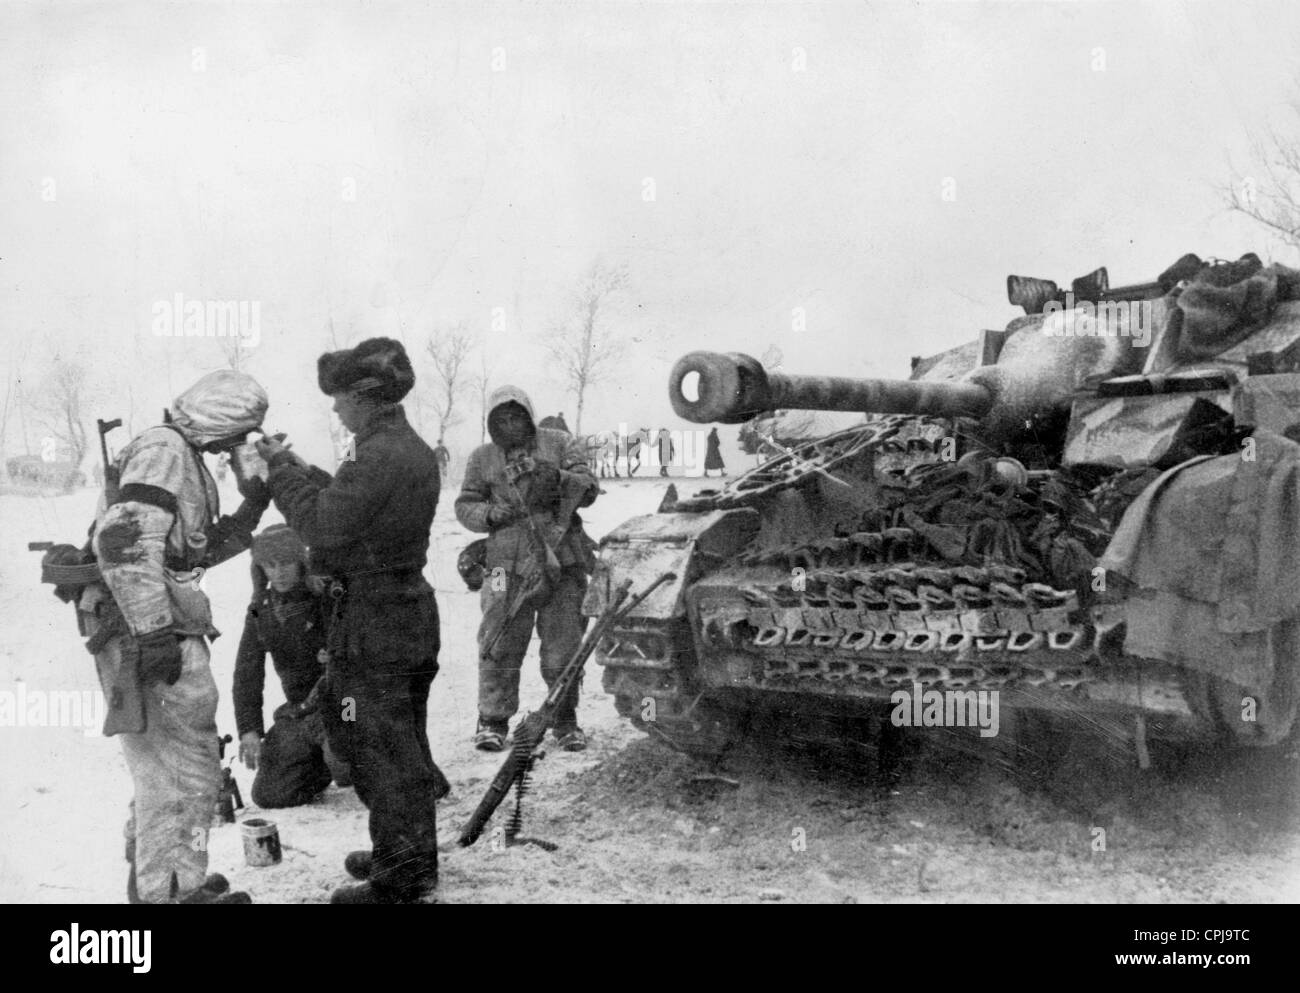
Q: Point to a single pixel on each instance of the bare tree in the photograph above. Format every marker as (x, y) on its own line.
(14, 400)
(233, 352)
(479, 382)
(584, 345)
(1271, 195)
(12, 388)
(448, 348)
(61, 406)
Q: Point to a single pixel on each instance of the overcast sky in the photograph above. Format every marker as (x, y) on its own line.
(881, 166)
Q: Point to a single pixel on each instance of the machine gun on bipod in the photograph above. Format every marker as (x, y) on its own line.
(516, 770)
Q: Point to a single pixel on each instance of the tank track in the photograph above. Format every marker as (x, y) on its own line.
(642, 671)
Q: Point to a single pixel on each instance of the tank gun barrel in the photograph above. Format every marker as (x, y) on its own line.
(734, 387)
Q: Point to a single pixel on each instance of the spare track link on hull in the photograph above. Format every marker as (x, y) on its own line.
(895, 624)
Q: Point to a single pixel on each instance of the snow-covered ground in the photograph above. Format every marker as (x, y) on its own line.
(631, 823)
(63, 793)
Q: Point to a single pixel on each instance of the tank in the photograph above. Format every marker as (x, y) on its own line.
(986, 533)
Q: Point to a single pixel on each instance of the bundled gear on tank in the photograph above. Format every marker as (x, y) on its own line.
(1022, 514)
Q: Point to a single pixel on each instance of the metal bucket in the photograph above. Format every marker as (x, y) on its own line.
(261, 841)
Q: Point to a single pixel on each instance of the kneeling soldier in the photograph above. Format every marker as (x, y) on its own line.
(286, 618)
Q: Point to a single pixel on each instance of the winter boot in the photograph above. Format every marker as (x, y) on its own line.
(571, 738)
(491, 735)
(358, 864)
(369, 893)
(205, 895)
(216, 884)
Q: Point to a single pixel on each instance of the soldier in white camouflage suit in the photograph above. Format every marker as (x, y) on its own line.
(152, 545)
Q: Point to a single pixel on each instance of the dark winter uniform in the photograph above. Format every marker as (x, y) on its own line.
(713, 454)
(368, 529)
(294, 764)
(150, 544)
(513, 555)
(667, 450)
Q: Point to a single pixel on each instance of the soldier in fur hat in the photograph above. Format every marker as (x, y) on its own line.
(368, 530)
(287, 619)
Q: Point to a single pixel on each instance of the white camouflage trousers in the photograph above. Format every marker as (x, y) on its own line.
(177, 775)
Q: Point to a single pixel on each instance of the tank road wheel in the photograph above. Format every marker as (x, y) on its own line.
(630, 707)
(705, 731)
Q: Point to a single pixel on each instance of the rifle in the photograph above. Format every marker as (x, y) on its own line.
(112, 478)
(69, 577)
(536, 580)
(516, 769)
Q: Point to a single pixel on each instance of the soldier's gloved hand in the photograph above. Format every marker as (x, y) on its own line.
(160, 657)
(250, 749)
(63, 554)
(544, 488)
(255, 492)
(311, 703)
(500, 516)
(275, 452)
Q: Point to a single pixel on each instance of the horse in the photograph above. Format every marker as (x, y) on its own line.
(602, 454)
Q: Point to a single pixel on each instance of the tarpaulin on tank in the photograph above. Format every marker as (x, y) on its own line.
(1225, 304)
(1214, 544)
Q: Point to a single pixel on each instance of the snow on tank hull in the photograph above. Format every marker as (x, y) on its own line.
(952, 542)
(772, 610)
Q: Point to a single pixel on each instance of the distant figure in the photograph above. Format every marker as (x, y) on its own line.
(633, 445)
(443, 458)
(713, 455)
(667, 451)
